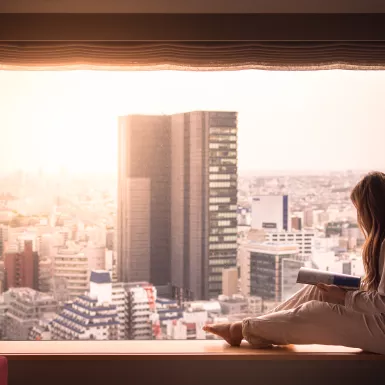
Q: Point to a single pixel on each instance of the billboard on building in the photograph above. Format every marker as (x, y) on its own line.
(269, 225)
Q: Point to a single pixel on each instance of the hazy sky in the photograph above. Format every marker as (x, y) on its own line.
(287, 120)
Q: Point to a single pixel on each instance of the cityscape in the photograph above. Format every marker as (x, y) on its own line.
(176, 237)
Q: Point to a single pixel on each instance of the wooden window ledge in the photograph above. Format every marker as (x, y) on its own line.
(175, 350)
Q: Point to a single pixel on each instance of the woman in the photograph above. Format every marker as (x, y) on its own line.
(327, 314)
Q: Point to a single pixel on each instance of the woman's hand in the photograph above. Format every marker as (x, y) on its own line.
(332, 293)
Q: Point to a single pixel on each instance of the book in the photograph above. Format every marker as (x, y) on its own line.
(314, 277)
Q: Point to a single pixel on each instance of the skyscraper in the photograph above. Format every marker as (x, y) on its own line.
(204, 200)
(178, 198)
(144, 199)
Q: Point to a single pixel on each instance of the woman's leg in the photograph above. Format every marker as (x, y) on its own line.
(316, 322)
(232, 332)
(305, 294)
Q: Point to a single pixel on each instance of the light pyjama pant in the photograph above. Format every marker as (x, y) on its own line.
(304, 319)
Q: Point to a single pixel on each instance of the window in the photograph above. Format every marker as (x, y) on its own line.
(223, 138)
(220, 177)
(227, 230)
(220, 223)
(222, 246)
(230, 238)
(219, 184)
(220, 200)
(223, 131)
(224, 215)
(69, 209)
(223, 154)
(230, 230)
(220, 192)
(223, 262)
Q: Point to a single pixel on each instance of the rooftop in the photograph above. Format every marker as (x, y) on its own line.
(100, 276)
(165, 301)
(233, 300)
(28, 294)
(271, 247)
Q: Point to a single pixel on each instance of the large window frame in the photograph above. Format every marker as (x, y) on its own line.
(277, 27)
(284, 29)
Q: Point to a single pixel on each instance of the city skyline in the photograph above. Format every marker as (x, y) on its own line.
(337, 105)
(72, 244)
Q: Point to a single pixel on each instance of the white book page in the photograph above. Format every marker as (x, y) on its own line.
(312, 277)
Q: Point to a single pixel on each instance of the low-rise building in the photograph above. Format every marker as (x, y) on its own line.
(45, 274)
(90, 316)
(22, 265)
(233, 305)
(167, 312)
(71, 264)
(230, 281)
(255, 305)
(86, 319)
(3, 312)
(42, 331)
(303, 239)
(269, 270)
(119, 300)
(26, 307)
(140, 304)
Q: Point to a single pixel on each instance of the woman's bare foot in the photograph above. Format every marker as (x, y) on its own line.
(230, 332)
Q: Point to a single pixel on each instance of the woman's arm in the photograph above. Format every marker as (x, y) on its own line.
(365, 302)
(369, 302)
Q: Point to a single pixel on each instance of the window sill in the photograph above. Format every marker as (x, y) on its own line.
(174, 350)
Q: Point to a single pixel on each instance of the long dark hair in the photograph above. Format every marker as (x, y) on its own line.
(369, 199)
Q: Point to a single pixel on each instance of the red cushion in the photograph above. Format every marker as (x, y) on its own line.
(3, 371)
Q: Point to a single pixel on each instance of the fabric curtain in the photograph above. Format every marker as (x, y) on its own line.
(192, 56)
